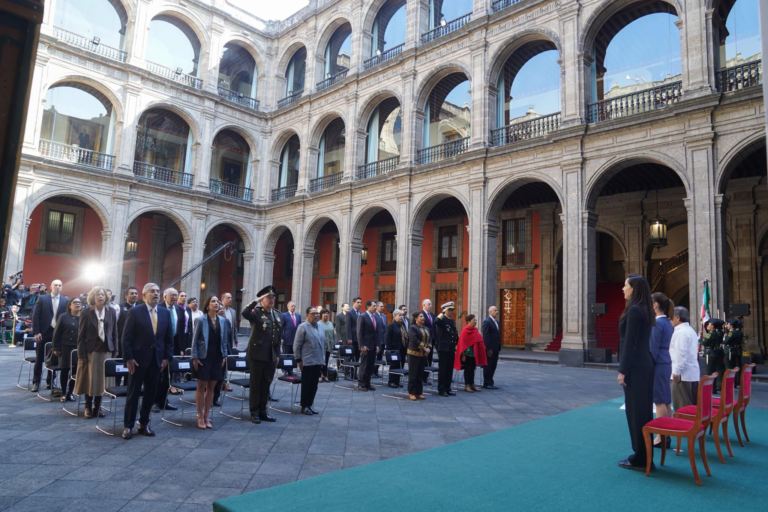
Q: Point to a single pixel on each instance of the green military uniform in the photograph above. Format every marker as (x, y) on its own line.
(712, 343)
(734, 342)
(263, 352)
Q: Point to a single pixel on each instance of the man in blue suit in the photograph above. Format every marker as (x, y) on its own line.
(351, 324)
(147, 349)
(291, 321)
(492, 338)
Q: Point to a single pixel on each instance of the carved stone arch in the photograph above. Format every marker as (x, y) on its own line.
(52, 190)
(371, 8)
(288, 53)
(314, 227)
(279, 142)
(250, 139)
(511, 45)
(363, 218)
(249, 46)
(191, 20)
(371, 102)
(186, 115)
(271, 239)
(429, 82)
(735, 155)
(499, 195)
(616, 236)
(319, 127)
(108, 93)
(239, 228)
(178, 220)
(424, 206)
(329, 28)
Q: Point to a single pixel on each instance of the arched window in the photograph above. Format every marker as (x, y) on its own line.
(289, 163)
(388, 32)
(173, 50)
(231, 166)
(96, 25)
(238, 75)
(164, 148)
(294, 74)
(337, 56)
(385, 127)
(448, 117)
(740, 51)
(78, 125)
(332, 143)
(446, 16)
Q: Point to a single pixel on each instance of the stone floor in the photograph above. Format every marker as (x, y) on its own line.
(52, 461)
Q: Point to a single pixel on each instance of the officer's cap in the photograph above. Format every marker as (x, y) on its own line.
(267, 291)
(717, 323)
(448, 305)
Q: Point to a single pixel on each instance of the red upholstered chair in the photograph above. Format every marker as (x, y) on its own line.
(745, 390)
(678, 427)
(724, 406)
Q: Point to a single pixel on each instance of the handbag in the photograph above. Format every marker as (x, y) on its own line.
(52, 360)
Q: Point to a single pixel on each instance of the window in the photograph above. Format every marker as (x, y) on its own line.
(388, 252)
(513, 242)
(61, 232)
(448, 249)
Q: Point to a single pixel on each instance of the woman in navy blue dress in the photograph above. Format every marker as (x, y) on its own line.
(661, 336)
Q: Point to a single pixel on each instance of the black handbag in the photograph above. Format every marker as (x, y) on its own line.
(52, 361)
(333, 375)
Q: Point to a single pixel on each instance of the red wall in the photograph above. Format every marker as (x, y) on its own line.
(325, 254)
(367, 280)
(426, 264)
(226, 268)
(44, 269)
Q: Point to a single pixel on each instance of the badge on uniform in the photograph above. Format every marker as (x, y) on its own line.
(264, 326)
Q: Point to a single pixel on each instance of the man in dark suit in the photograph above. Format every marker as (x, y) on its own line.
(290, 321)
(429, 323)
(147, 348)
(447, 338)
(381, 333)
(179, 325)
(352, 317)
(367, 338)
(131, 298)
(492, 338)
(44, 318)
(340, 324)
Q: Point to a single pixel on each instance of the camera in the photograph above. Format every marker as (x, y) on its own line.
(17, 275)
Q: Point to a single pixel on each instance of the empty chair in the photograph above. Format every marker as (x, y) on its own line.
(113, 368)
(181, 365)
(29, 345)
(50, 369)
(392, 358)
(347, 351)
(72, 380)
(237, 364)
(740, 408)
(286, 363)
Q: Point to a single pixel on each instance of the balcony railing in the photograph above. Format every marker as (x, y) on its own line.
(525, 130)
(92, 45)
(498, 5)
(222, 188)
(636, 103)
(279, 194)
(377, 168)
(290, 99)
(384, 57)
(76, 155)
(174, 74)
(738, 77)
(331, 80)
(442, 151)
(325, 182)
(449, 27)
(239, 98)
(157, 173)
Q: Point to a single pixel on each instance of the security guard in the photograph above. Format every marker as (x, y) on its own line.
(734, 342)
(713, 345)
(447, 337)
(263, 350)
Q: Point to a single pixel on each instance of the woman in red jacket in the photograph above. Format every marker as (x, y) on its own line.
(470, 351)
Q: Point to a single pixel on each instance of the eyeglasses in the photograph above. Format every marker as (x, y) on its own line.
(314, 314)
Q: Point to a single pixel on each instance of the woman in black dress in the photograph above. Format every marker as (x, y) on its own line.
(64, 342)
(418, 349)
(209, 356)
(636, 365)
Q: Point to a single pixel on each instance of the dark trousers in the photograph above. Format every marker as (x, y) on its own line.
(309, 381)
(288, 349)
(427, 362)
(163, 385)
(638, 399)
(262, 373)
(148, 377)
(63, 378)
(40, 358)
(469, 370)
(416, 366)
(367, 362)
(445, 370)
(325, 368)
(489, 370)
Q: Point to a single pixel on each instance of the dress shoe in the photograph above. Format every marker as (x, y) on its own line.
(35, 388)
(266, 417)
(170, 407)
(490, 387)
(625, 464)
(127, 434)
(669, 444)
(312, 410)
(55, 393)
(100, 412)
(422, 397)
(371, 388)
(443, 393)
(306, 411)
(88, 413)
(146, 431)
(413, 398)
(376, 376)
(475, 388)
(451, 393)
(393, 385)
(48, 386)
(468, 389)
(255, 419)
(70, 398)
(362, 388)
(217, 403)
(227, 388)
(155, 409)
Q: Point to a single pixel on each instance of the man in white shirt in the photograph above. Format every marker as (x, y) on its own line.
(684, 350)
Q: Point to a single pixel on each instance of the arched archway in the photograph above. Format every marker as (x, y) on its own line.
(231, 166)
(174, 48)
(738, 29)
(383, 141)
(322, 241)
(447, 120)
(374, 255)
(295, 79)
(388, 28)
(238, 75)
(102, 22)
(331, 147)
(337, 55)
(164, 148)
(286, 173)
(226, 272)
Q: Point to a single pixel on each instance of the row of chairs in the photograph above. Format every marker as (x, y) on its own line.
(691, 422)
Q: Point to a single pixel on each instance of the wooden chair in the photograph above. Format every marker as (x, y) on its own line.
(745, 390)
(724, 406)
(678, 427)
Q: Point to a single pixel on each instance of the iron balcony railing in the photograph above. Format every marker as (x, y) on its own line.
(174, 74)
(290, 99)
(76, 155)
(377, 168)
(157, 173)
(222, 188)
(93, 44)
(384, 57)
(238, 98)
(498, 5)
(636, 103)
(325, 182)
(442, 151)
(332, 80)
(738, 77)
(279, 194)
(449, 27)
(525, 130)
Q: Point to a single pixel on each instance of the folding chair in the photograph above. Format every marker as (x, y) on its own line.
(239, 364)
(29, 344)
(430, 370)
(72, 378)
(52, 370)
(458, 377)
(240, 355)
(347, 351)
(113, 368)
(335, 357)
(176, 366)
(286, 362)
(393, 356)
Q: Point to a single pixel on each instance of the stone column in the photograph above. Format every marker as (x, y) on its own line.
(697, 50)
(36, 102)
(417, 22)
(194, 253)
(584, 93)
(267, 167)
(209, 66)
(634, 235)
(126, 153)
(310, 170)
(358, 139)
(352, 143)
(202, 171)
(403, 269)
(572, 67)
(140, 35)
(302, 286)
(249, 279)
(412, 268)
(113, 245)
(343, 286)
(480, 8)
(478, 281)
(48, 18)
(17, 235)
(213, 267)
(481, 119)
(412, 120)
(742, 212)
(547, 275)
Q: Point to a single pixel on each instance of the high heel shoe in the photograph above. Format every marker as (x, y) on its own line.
(201, 423)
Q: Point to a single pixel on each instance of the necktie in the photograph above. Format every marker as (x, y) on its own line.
(429, 318)
(374, 321)
(55, 309)
(100, 316)
(173, 320)
(154, 320)
(294, 319)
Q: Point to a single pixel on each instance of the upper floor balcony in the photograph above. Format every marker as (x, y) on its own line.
(445, 28)
(73, 153)
(92, 44)
(442, 151)
(222, 188)
(291, 98)
(738, 77)
(162, 174)
(177, 75)
(239, 98)
(635, 103)
(382, 57)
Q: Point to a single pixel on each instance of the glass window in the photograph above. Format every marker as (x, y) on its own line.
(513, 242)
(61, 228)
(93, 18)
(230, 158)
(742, 35)
(332, 143)
(338, 51)
(237, 70)
(448, 10)
(289, 163)
(173, 44)
(449, 111)
(384, 131)
(389, 252)
(78, 115)
(530, 88)
(294, 75)
(162, 139)
(448, 247)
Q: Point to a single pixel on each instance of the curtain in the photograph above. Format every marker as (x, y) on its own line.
(327, 60)
(321, 158)
(501, 97)
(426, 142)
(284, 167)
(289, 78)
(188, 157)
(373, 138)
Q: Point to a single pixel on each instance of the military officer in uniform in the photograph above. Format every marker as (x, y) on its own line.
(734, 340)
(713, 350)
(447, 337)
(263, 350)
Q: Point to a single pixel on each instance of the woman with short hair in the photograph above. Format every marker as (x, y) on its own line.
(309, 352)
(418, 348)
(64, 343)
(330, 336)
(661, 337)
(209, 357)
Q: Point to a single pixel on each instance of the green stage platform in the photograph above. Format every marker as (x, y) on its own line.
(564, 462)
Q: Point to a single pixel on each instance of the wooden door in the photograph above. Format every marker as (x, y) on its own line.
(387, 298)
(443, 296)
(513, 317)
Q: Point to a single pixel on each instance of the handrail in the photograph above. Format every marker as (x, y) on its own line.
(738, 77)
(92, 45)
(442, 151)
(641, 101)
(377, 168)
(443, 30)
(157, 173)
(76, 154)
(238, 97)
(498, 5)
(224, 188)
(279, 194)
(290, 99)
(174, 74)
(332, 80)
(325, 182)
(668, 266)
(384, 57)
(525, 129)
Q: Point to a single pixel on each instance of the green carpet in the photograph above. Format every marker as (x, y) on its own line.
(565, 462)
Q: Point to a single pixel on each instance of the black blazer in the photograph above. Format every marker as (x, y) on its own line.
(352, 316)
(125, 307)
(429, 323)
(141, 343)
(366, 334)
(395, 337)
(340, 323)
(180, 340)
(381, 329)
(88, 334)
(635, 336)
(491, 335)
(42, 315)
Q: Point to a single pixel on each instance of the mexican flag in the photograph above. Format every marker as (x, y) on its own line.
(706, 303)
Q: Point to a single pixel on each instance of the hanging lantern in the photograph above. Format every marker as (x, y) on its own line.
(658, 237)
(364, 256)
